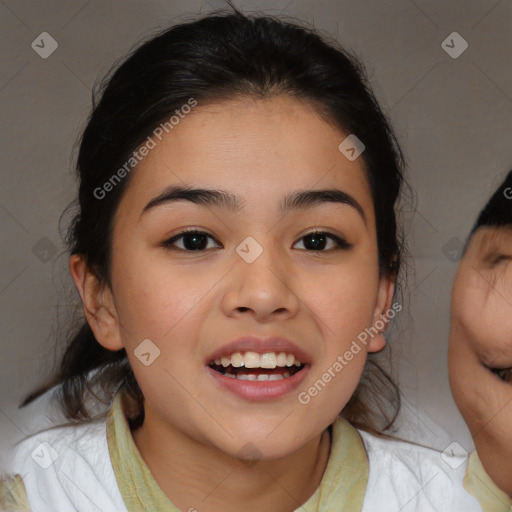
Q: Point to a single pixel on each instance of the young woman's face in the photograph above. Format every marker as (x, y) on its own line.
(252, 271)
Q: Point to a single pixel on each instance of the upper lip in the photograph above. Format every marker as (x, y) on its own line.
(260, 345)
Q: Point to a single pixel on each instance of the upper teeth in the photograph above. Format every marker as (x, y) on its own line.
(255, 360)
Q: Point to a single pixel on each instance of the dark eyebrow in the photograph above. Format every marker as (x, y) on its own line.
(231, 202)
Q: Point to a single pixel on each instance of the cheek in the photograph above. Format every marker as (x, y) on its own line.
(482, 305)
(151, 301)
(344, 299)
(343, 305)
(166, 308)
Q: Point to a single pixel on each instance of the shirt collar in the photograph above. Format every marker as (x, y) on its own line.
(343, 484)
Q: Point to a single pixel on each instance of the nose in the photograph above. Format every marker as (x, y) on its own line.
(263, 289)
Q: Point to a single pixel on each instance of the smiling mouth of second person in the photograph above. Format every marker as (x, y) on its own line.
(252, 366)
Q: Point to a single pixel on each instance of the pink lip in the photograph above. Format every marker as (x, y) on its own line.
(260, 345)
(259, 391)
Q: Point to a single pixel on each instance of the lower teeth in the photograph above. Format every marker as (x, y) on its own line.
(260, 376)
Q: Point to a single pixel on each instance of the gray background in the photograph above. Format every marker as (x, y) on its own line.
(453, 118)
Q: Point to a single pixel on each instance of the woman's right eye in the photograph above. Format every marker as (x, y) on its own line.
(193, 240)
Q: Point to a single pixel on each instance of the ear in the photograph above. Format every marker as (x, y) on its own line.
(98, 303)
(380, 318)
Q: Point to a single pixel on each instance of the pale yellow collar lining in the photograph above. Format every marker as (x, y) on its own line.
(343, 485)
(480, 485)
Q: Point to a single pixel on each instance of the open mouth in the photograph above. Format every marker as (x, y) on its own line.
(258, 367)
(254, 374)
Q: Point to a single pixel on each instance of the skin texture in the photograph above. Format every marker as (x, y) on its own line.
(191, 303)
(481, 338)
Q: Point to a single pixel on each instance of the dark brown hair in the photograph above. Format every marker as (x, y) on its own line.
(215, 58)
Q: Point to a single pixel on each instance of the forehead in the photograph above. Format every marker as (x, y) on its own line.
(261, 148)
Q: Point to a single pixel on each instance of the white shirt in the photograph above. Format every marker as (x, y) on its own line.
(69, 468)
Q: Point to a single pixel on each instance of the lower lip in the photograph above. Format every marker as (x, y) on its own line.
(260, 391)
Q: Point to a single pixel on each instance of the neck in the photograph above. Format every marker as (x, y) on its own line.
(194, 475)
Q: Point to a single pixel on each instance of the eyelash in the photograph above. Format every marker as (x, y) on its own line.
(341, 242)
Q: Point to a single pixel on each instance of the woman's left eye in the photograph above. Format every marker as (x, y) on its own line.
(195, 240)
(318, 239)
